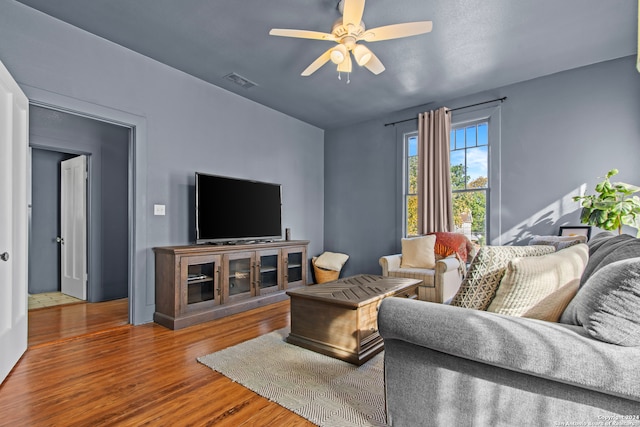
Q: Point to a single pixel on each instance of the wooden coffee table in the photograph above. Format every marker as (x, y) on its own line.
(340, 318)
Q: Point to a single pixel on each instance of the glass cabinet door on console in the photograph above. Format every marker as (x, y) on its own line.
(294, 269)
(268, 277)
(239, 276)
(201, 278)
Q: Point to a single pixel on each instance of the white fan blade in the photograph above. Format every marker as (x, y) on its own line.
(397, 31)
(374, 65)
(322, 59)
(301, 34)
(353, 10)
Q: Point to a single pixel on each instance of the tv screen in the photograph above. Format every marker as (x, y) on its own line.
(231, 209)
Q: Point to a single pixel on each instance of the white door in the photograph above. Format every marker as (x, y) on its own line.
(73, 227)
(14, 124)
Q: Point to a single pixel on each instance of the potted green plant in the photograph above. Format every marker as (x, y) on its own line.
(614, 205)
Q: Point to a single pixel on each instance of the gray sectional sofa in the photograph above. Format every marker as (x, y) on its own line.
(453, 366)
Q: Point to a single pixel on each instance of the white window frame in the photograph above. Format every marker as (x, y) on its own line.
(486, 189)
(492, 115)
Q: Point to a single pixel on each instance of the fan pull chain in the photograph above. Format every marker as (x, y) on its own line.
(348, 77)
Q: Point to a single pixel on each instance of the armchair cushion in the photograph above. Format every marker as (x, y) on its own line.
(530, 279)
(418, 252)
(487, 269)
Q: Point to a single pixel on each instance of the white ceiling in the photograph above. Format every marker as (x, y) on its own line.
(475, 45)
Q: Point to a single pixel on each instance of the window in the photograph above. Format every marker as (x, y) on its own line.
(470, 179)
(475, 166)
(410, 184)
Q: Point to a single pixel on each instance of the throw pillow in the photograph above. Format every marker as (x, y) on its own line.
(479, 286)
(448, 243)
(553, 305)
(558, 242)
(528, 280)
(417, 252)
(607, 249)
(608, 304)
(331, 261)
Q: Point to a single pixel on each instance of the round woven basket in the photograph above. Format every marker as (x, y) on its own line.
(322, 275)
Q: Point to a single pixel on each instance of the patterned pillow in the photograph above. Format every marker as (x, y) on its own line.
(530, 279)
(608, 304)
(487, 268)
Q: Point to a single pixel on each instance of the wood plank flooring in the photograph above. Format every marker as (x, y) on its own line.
(68, 321)
(141, 375)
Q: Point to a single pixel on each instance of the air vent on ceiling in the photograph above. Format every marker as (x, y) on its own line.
(240, 81)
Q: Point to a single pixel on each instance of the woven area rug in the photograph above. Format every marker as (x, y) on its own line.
(324, 390)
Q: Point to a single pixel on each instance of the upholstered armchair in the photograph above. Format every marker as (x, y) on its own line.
(440, 283)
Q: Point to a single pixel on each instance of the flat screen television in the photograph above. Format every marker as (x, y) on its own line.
(231, 210)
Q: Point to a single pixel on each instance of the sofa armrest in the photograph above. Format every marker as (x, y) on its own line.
(389, 262)
(556, 352)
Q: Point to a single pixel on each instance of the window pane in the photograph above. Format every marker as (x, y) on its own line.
(452, 140)
(477, 166)
(458, 181)
(412, 215)
(469, 214)
(412, 149)
(483, 134)
(412, 172)
(459, 138)
(471, 136)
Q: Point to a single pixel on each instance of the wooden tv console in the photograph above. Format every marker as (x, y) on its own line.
(198, 283)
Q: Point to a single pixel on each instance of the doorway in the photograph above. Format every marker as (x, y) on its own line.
(56, 136)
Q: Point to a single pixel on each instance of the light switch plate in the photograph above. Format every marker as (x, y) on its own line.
(158, 209)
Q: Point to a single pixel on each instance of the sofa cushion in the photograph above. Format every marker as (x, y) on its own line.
(606, 248)
(418, 252)
(558, 242)
(331, 261)
(527, 280)
(551, 307)
(486, 270)
(608, 304)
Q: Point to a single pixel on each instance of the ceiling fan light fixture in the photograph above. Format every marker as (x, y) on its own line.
(338, 54)
(362, 54)
(345, 66)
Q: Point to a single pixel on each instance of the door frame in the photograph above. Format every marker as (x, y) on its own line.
(141, 292)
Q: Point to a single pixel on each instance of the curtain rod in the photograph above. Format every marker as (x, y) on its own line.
(452, 109)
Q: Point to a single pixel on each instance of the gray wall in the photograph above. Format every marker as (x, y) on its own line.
(559, 133)
(190, 126)
(107, 149)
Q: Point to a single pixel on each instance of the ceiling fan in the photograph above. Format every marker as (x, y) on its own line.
(347, 32)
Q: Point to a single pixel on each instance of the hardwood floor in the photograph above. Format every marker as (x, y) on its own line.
(141, 375)
(68, 321)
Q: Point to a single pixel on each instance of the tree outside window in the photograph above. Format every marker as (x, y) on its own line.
(469, 158)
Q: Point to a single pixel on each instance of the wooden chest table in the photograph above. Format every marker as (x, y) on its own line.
(340, 318)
